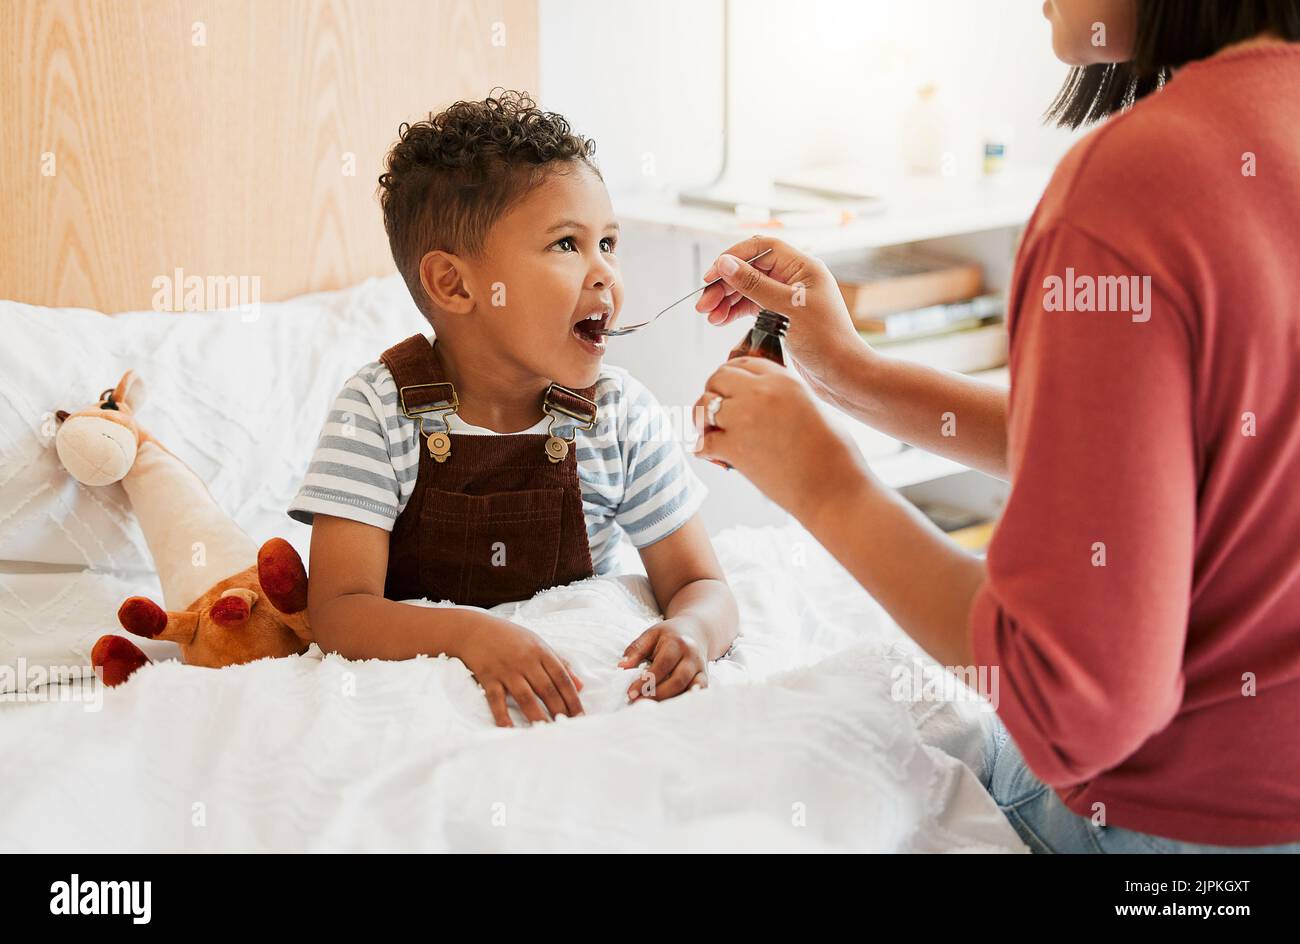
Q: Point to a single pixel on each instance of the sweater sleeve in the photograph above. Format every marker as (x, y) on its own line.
(1084, 611)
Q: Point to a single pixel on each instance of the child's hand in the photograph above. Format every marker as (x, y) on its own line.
(677, 661)
(506, 658)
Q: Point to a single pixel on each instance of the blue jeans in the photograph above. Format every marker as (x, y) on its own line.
(1047, 825)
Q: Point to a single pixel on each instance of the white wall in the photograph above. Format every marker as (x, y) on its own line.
(813, 81)
(642, 78)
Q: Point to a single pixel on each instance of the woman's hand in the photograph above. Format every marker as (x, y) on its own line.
(770, 429)
(821, 336)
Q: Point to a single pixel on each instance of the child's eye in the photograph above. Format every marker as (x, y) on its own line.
(570, 244)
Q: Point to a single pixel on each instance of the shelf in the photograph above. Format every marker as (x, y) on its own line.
(918, 208)
(908, 465)
(913, 466)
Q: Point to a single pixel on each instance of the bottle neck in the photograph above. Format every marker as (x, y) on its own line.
(772, 323)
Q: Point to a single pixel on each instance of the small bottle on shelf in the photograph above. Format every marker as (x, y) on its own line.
(762, 340)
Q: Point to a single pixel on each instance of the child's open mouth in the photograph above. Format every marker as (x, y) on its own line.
(589, 330)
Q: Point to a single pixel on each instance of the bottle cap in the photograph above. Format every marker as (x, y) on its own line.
(772, 322)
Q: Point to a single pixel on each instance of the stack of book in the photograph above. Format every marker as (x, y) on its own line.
(925, 307)
(922, 306)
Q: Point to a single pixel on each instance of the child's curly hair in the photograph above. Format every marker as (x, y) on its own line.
(449, 178)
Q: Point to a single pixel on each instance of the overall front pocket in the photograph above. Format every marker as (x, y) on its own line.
(482, 550)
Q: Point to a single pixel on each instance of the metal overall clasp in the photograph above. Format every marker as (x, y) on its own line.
(557, 447)
(438, 441)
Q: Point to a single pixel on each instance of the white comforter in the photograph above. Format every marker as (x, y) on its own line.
(796, 745)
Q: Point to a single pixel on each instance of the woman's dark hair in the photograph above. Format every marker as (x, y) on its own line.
(1170, 33)
(450, 177)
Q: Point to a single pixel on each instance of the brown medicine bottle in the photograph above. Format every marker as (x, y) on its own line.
(762, 340)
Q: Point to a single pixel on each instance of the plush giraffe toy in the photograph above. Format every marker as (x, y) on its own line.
(226, 601)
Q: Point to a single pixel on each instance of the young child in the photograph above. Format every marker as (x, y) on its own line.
(499, 456)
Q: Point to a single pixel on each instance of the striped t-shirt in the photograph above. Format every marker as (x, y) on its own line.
(633, 472)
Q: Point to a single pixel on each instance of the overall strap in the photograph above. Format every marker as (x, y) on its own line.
(423, 389)
(421, 386)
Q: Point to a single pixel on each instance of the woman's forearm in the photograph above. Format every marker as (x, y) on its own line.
(922, 579)
(943, 412)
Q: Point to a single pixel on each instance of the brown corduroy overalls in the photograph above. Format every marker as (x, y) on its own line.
(499, 518)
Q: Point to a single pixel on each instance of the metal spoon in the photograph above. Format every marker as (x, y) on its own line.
(628, 329)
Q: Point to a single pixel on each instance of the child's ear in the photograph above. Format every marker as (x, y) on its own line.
(442, 275)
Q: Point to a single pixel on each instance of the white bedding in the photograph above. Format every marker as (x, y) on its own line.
(796, 745)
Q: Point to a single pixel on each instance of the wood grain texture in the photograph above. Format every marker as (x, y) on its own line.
(226, 159)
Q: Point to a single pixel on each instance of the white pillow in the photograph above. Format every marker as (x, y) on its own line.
(52, 618)
(239, 398)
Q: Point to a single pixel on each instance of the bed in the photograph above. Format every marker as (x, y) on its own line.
(800, 743)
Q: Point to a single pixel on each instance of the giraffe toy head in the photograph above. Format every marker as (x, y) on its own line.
(98, 444)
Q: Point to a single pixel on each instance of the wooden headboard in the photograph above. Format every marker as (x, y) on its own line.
(224, 138)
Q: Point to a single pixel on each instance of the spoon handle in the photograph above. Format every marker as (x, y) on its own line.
(628, 329)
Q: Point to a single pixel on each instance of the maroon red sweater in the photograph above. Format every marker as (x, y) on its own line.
(1143, 593)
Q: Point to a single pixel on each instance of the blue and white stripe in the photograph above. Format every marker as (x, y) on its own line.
(634, 474)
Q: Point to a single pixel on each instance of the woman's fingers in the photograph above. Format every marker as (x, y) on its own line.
(755, 281)
(751, 247)
(729, 380)
(711, 297)
(727, 301)
(732, 378)
(756, 285)
(706, 445)
(700, 414)
(727, 307)
(821, 334)
(749, 364)
(732, 381)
